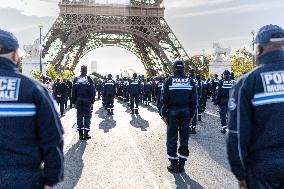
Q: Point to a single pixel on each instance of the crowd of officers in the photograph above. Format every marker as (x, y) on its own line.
(31, 134)
(139, 90)
(180, 100)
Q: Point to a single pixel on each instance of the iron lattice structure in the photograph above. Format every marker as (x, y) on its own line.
(140, 27)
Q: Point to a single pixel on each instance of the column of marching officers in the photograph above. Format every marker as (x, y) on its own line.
(31, 134)
(137, 91)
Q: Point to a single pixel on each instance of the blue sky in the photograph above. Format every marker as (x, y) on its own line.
(196, 23)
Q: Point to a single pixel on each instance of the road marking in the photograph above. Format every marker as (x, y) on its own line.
(150, 175)
(211, 114)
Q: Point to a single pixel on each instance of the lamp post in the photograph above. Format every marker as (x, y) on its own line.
(40, 26)
(253, 39)
(203, 56)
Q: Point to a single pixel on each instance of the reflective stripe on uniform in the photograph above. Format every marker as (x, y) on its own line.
(183, 157)
(233, 132)
(17, 110)
(180, 88)
(170, 157)
(267, 98)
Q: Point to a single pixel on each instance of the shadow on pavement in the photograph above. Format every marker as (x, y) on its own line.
(107, 124)
(210, 138)
(183, 181)
(138, 122)
(101, 112)
(152, 109)
(73, 165)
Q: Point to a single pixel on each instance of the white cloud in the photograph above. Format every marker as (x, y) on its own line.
(19, 29)
(40, 8)
(177, 4)
(233, 9)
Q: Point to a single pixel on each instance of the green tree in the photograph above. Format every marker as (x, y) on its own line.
(52, 72)
(201, 64)
(67, 74)
(36, 74)
(241, 62)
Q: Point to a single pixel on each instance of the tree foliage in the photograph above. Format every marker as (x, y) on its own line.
(201, 64)
(52, 72)
(36, 74)
(67, 74)
(55, 74)
(241, 62)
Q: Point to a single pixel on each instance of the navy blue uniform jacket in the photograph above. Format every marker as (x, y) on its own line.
(83, 89)
(30, 129)
(179, 91)
(256, 123)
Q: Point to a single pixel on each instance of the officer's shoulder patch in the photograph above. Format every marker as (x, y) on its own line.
(232, 104)
(9, 88)
(273, 82)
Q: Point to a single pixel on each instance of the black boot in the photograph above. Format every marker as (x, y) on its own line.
(181, 165)
(192, 130)
(136, 111)
(132, 111)
(199, 117)
(224, 129)
(108, 112)
(86, 135)
(111, 112)
(81, 136)
(173, 168)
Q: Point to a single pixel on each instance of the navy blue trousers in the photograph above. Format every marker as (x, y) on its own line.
(223, 111)
(83, 114)
(109, 101)
(134, 99)
(19, 178)
(178, 128)
(258, 178)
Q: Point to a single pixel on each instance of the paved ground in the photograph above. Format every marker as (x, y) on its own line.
(128, 152)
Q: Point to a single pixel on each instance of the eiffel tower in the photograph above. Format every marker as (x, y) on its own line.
(139, 27)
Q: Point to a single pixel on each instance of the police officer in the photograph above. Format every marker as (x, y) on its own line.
(99, 89)
(255, 143)
(199, 86)
(214, 85)
(31, 141)
(83, 97)
(118, 85)
(193, 123)
(103, 94)
(54, 87)
(178, 106)
(61, 91)
(204, 96)
(125, 85)
(147, 91)
(134, 90)
(69, 91)
(109, 91)
(158, 91)
(222, 98)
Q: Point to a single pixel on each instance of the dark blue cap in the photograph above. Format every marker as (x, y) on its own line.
(226, 72)
(179, 64)
(267, 33)
(8, 42)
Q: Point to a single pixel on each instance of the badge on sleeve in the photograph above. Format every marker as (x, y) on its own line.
(9, 88)
(232, 104)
